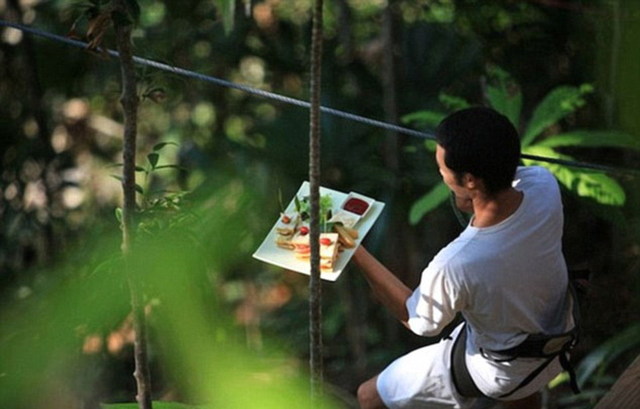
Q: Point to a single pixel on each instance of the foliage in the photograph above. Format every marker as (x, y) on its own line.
(595, 374)
(540, 138)
(58, 145)
(206, 362)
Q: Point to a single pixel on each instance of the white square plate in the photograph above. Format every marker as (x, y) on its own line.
(269, 251)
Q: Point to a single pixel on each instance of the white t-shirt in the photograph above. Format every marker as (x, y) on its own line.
(508, 280)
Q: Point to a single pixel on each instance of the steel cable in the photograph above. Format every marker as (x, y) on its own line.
(305, 104)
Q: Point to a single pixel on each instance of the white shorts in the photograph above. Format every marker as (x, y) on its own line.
(422, 379)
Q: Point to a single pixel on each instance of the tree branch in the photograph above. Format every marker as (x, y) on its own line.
(130, 101)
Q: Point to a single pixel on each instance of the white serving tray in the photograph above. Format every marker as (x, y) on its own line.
(269, 252)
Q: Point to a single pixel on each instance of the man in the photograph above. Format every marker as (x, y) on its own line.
(505, 274)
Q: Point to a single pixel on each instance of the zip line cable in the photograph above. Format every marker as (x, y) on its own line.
(304, 104)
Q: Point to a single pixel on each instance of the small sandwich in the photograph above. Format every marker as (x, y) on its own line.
(328, 249)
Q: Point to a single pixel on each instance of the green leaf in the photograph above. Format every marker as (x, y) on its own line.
(139, 189)
(226, 10)
(601, 357)
(161, 145)
(586, 138)
(424, 119)
(119, 214)
(153, 158)
(559, 103)
(453, 103)
(170, 167)
(596, 186)
(428, 202)
(430, 145)
(504, 94)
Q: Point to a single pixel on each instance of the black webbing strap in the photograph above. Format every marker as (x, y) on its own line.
(459, 372)
(550, 347)
(533, 347)
(529, 378)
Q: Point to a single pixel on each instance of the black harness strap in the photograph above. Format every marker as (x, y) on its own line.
(459, 371)
(535, 346)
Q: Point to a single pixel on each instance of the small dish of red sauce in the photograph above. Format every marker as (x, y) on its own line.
(356, 206)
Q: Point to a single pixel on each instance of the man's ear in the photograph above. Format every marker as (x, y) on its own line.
(469, 181)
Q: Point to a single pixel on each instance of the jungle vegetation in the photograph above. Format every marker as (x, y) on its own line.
(211, 163)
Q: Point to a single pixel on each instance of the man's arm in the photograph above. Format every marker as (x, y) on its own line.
(387, 287)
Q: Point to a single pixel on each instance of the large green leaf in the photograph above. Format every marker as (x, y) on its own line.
(600, 358)
(424, 119)
(586, 138)
(559, 103)
(428, 202)
(503, 94)
(452, 102)
(596, 186)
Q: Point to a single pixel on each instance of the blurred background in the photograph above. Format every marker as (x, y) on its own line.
(214, 161)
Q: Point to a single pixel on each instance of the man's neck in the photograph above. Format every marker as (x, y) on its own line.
(491, 210)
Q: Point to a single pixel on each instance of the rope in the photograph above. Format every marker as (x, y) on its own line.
(304, 104)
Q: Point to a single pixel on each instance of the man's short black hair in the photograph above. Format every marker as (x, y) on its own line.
(482, 142)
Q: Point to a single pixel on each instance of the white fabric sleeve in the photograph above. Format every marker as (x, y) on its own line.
(433, 304)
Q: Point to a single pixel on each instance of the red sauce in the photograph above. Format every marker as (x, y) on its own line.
(355, 205)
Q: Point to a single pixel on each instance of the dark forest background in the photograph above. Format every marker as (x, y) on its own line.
(214, 161)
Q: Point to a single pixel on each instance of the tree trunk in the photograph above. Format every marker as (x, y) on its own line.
(315, 288)
(129, 100)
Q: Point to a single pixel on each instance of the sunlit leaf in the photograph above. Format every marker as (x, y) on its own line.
(428, 202)
(596, 186)
(559, 103)
(586, 138)
(504, 94)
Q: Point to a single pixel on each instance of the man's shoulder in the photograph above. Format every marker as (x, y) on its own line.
(532, 173)
(536, 179)
(456, 254)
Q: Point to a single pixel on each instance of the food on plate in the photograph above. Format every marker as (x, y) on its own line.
(328, 249)
(285, 231)
(337, 231)
(285, 243)
(346, 235)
